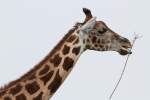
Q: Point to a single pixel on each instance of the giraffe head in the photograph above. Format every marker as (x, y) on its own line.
(98, 36)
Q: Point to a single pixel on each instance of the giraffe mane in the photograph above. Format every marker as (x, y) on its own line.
(5, 87)
(29, 73)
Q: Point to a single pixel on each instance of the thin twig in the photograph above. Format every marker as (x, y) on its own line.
(135, 38)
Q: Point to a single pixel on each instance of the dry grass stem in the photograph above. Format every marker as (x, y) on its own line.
(136, 36)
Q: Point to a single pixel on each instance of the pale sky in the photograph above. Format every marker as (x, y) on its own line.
(29, 29)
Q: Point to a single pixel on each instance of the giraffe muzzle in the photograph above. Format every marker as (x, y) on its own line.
(125, 51)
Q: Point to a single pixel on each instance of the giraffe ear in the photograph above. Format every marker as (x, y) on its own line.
(87, 27)
(88, 14)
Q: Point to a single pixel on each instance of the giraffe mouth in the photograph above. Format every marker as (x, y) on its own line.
(125, 50)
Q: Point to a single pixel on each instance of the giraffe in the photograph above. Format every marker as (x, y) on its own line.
(41, 82)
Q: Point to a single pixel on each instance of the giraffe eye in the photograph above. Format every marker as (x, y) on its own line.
(102, 31)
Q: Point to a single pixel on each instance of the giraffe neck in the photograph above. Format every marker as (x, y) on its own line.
(44, 79)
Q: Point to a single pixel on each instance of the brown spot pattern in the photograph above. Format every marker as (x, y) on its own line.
(96, 45)
(71, 38)
(66, 49)
(94, 39)
(76, 41)
(101, 46)
(84, 41)
(21, 97)
(56, 60)
(55, 83)
(32, 87)
(98, 41)
(39, 97)
(32, 77)
(44, 70)
(7, 98)
(16, 89)
(38, 66)
(76, 50)
(102, 41)
(47, 77)
(2, 93)
(68, 63)
(88, 41)
(88, 46)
